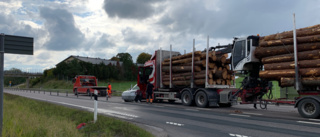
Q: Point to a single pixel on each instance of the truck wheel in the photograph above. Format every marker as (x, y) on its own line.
(75, 92)
(309, 108)
(201, 99)
(186, 98)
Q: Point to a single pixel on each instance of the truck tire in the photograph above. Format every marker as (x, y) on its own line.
(75, 92)
(186, 98)
(309, 108)
(201, 99)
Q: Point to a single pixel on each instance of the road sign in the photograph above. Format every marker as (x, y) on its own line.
(18, 44)
(15, 45)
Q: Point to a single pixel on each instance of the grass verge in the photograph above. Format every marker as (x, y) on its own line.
(24, 117)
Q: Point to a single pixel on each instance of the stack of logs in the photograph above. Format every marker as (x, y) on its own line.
(277, 54)
(219, 72)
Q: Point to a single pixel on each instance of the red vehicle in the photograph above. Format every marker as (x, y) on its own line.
(242, 60)
(86, 84)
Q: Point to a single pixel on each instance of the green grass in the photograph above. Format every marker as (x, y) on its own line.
(275, 88)
(25, 117)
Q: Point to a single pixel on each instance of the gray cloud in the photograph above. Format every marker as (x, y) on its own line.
(134, 37)
(62, 30)
(130, 9)
(233, 18)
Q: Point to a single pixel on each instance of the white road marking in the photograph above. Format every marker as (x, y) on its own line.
(101, 111)
(191, 109)
(315, 119)
(175, 124)
(239, 115)
(306, 122)
(237, 135)
(251, 113)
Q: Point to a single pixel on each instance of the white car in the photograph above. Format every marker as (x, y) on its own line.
(130, 94)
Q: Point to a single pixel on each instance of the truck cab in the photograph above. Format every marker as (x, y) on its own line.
(243, 58)
(86, 84)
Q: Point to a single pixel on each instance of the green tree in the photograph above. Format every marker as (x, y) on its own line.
(143, 57)
(14, 80)
(115, 59)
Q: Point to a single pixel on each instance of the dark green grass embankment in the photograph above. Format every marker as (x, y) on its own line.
(25, 117)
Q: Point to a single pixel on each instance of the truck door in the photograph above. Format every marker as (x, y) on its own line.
(239, 52)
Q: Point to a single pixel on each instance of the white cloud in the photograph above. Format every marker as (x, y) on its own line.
(94, 28)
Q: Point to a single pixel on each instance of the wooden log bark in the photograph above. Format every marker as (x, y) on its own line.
(220, 74)
(181, 68)
(277, 74)
(181, 61)
(210, 53)
(312, 81)
(186, 74)
(314, 54)
(261, 52)
(196, 63)
(291, 65)
(187, 82)
(312, 30)
(228, 61)
(288, 41)
(221, 59)
(188, 55)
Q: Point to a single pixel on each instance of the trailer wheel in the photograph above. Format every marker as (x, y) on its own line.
(186, 98)
(309, 108)
(75, 92)
(201, 99)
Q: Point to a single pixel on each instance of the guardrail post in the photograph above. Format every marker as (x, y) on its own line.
(90, 95)
(77, 95)
(44, 92)
(57, 93)
(67, 93)
(50, 92)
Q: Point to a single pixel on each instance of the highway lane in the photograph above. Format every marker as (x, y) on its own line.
(177, 120)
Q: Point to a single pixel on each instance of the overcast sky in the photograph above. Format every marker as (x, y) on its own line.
(103, 28)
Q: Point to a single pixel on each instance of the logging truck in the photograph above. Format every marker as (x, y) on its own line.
(207, 78)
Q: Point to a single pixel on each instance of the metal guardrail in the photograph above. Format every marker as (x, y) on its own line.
(53, 92)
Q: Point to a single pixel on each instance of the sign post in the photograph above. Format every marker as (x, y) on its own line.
(1, 80)
(95, 106)
(15, 45)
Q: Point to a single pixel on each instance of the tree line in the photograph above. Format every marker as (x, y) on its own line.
(67, 71)
(127, 71)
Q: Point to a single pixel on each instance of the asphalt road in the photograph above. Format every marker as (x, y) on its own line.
(176, 120)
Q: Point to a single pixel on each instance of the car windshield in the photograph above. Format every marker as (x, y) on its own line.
(135, 87)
